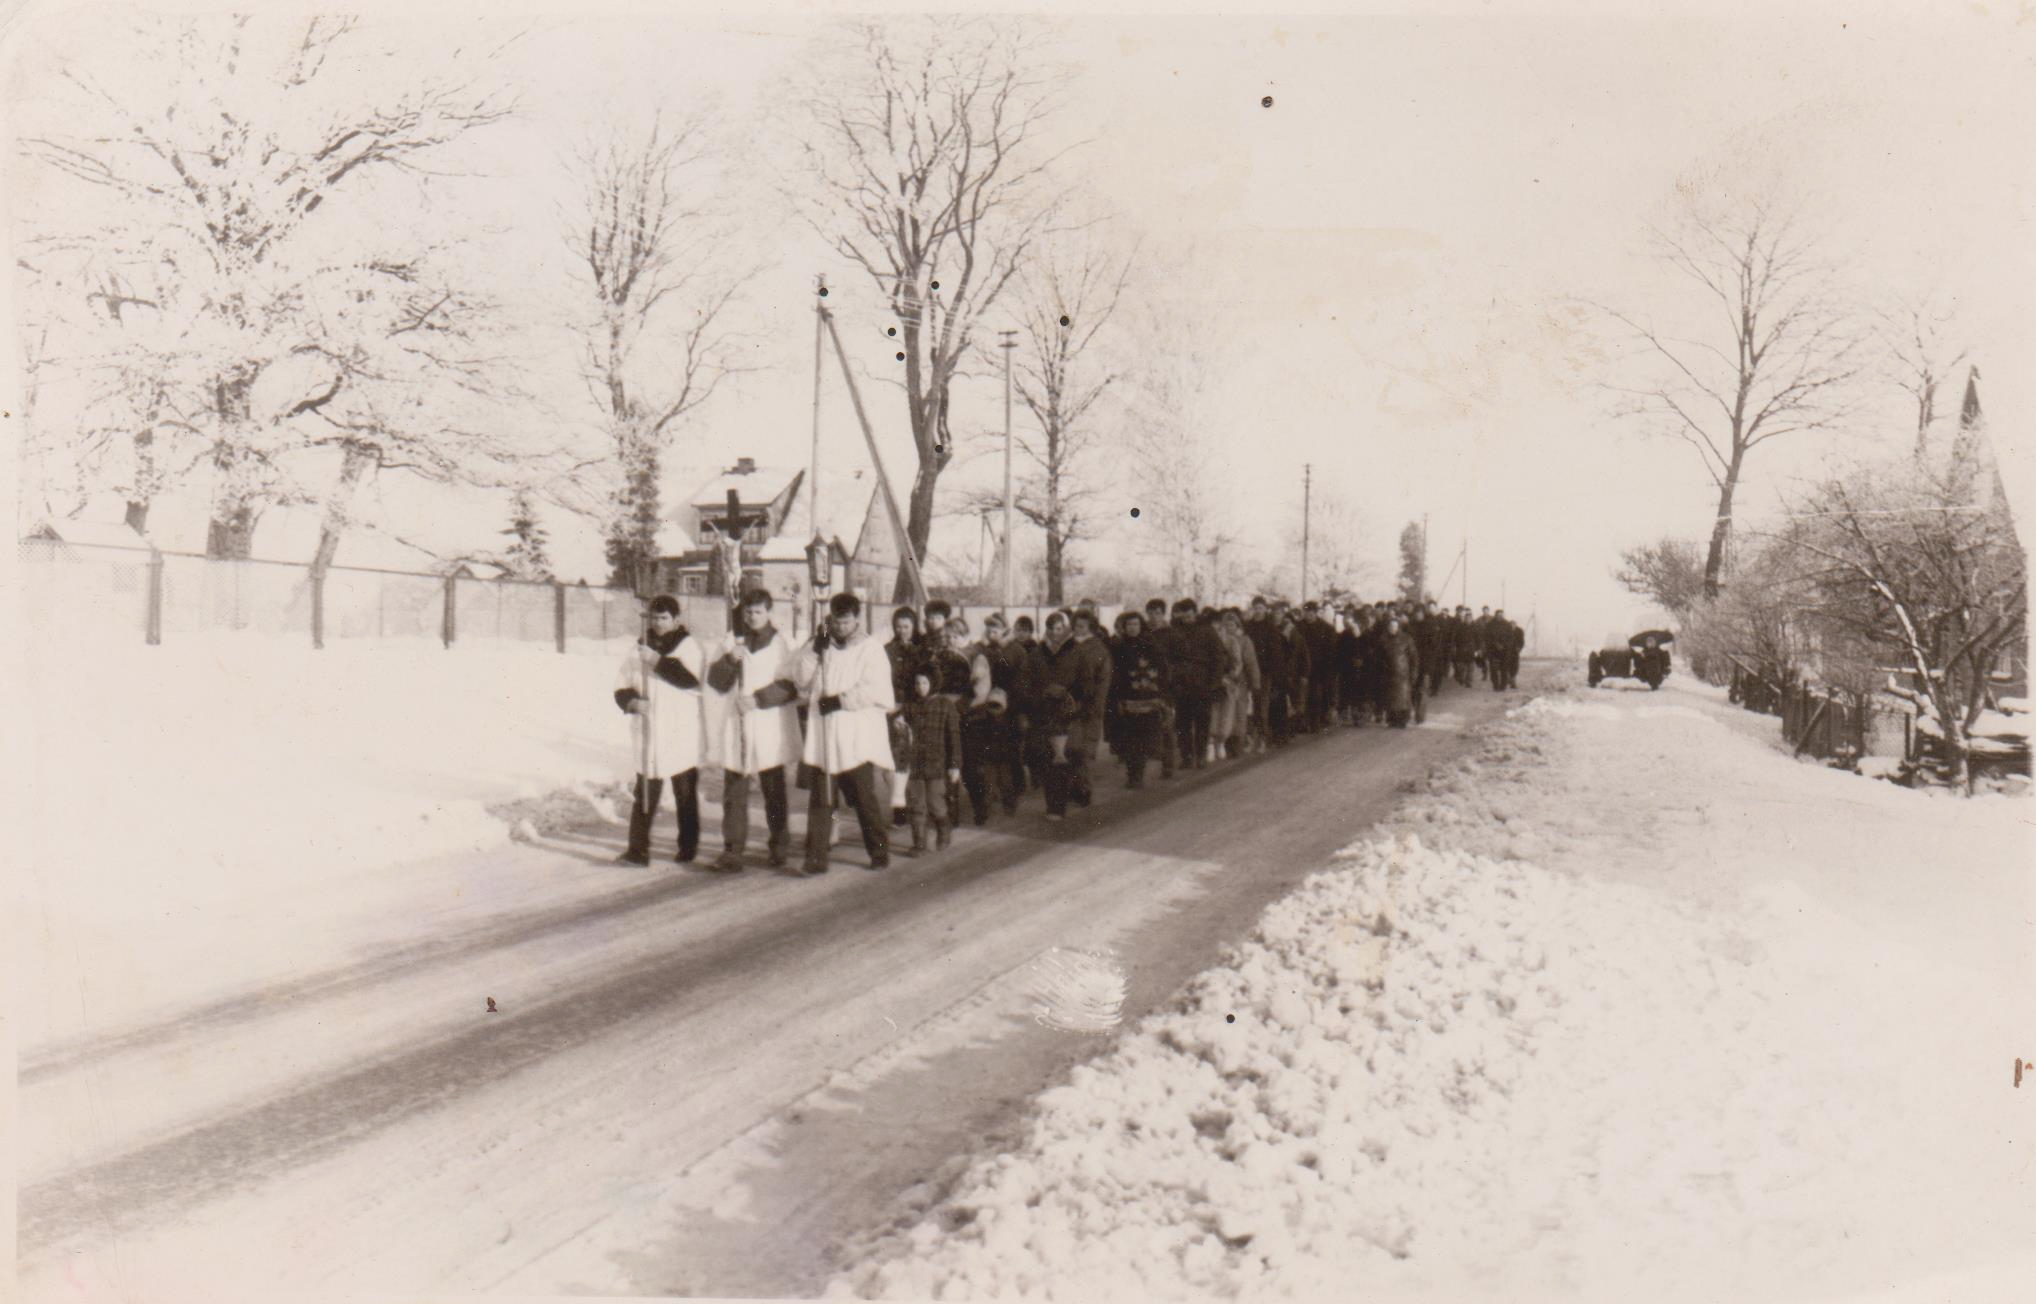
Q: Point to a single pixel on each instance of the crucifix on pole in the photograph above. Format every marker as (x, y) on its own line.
(728, 547)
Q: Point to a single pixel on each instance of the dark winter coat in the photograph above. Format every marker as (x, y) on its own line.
(1093, 688)
(1273, 660)
(1349, 662)
(905, 662)
(949, 670)
(1138, 680)
(1371, 657)
(1200, 661)
(1300, 658)
(1401, 659)
(1061, 674)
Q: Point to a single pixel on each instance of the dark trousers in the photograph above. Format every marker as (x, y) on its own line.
(989, 787)
(685, 795)
(988, 766)
(735, 811)
(1067, 779)
(1138, 739)
(1169, 747)
(859, 788)
(926, 799)
(1191, 729)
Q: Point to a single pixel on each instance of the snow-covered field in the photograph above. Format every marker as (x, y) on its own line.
(206, 812)
(1627, 1005)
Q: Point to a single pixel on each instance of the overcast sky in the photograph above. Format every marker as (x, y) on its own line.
(1389, 265)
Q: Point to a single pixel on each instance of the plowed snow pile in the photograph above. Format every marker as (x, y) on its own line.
(1626, 1003)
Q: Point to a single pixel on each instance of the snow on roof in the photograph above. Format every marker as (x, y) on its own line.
(847, 499)
(782, 547)
(93, 533)
(753, 488)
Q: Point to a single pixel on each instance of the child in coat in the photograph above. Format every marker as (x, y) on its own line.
(935, 723)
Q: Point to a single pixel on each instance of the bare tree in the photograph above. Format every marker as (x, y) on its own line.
(96, 330)
(1921, 558)
(659, 345)
(223, 183)
(1066, 298)
(1668, 572)
(926, 174)
(1916, 335)
(1337, 558)
(1773, 363)
(1172, 459)
(1756, 626)
(423, 392)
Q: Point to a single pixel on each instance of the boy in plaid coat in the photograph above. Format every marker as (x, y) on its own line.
(935, 722)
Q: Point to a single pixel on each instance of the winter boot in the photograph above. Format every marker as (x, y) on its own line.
(641, 812)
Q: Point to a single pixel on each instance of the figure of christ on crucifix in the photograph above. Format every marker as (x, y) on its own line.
(728, 548)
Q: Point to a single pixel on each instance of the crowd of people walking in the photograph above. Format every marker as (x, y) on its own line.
(940, 724)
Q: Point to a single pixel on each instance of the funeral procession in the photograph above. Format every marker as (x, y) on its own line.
(875, 652)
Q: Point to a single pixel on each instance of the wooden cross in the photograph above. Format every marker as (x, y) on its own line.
(731, 528)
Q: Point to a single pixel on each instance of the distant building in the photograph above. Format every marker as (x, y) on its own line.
(775, 502)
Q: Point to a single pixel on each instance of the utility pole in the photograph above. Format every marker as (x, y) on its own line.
(813, 474)
(1463, 593)
(1008, 343)
(1307, 502)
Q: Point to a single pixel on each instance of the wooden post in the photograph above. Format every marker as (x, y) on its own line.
(318, 609)
(448, 626)
(558, 613)
(154, 629)
(911, 559)
(1802, 739)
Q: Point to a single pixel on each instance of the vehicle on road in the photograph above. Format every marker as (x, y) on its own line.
(1644, 657)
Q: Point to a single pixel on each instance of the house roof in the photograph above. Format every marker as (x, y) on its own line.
(848, 499)
(782, 547)
(93, 533)
(756, 488)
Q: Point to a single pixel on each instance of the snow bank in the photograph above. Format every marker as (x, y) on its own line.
(200, 782)
(1277, 1129)
(1713, 1046)
(213, 758)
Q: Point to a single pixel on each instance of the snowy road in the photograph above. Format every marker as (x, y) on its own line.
(694, 1085)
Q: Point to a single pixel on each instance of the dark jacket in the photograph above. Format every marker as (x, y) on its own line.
(1300, 658)
(1401, 657)
(949, 669)
(1199, 660)
(905, 661)
(1273, 660)
(1138, 676)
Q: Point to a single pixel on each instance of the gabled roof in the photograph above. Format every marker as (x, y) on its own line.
(848, 499)
(756, 488)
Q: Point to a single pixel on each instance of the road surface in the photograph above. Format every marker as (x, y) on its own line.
(692, 1084)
